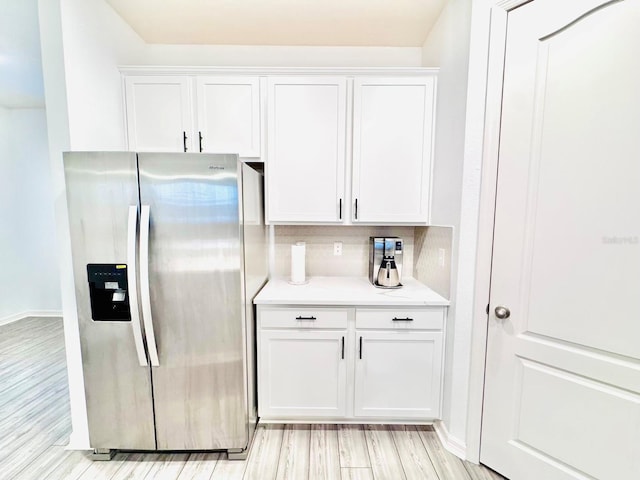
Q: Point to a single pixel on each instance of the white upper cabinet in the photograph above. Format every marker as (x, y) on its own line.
(393, 122)
(340, 146)
(228, 112)
(159, 113)
(306, 149)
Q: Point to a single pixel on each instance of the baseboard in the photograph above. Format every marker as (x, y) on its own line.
(30, 313)
(451, 443)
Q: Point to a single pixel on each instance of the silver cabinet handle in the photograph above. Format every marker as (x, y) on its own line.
(132, 253)
(144, 286)
(502, 312)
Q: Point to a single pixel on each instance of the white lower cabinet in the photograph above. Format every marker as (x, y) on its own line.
(350, 364)
(302, 373)
(398, 374)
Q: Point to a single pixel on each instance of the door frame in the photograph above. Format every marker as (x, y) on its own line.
(484, 111)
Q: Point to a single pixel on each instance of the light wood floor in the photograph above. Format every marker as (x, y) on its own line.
(35, 425)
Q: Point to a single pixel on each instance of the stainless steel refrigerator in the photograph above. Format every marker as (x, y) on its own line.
(168, 252)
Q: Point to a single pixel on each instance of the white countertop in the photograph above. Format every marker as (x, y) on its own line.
(346, 291)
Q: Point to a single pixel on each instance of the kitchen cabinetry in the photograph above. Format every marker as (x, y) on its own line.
(159, 113)
(398, 366)
(302, 357)
(341, 146)
(393, 122)
(348, 362)
(212, 114)
(306, 149)
(228, 112)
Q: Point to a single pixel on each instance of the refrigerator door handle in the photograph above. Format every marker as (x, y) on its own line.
(144, 286)
(133, 285)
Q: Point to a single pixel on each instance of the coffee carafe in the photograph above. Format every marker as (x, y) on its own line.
(388, 273)
(385, 262)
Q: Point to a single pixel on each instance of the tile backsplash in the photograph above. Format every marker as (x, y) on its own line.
(320, 260)
(432, 253)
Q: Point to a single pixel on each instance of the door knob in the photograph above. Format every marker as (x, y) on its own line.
(502, 312)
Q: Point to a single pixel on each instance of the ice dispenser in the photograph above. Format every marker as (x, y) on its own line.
(108, 292)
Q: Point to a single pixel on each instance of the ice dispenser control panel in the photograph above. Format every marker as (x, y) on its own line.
(108, 291)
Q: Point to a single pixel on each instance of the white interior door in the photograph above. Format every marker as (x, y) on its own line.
(562, 392)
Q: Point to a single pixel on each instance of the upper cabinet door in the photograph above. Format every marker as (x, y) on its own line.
(159, 113)
(306, 149)
(229, 115)
(393, 120)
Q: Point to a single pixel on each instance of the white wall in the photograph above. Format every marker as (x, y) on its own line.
(281, 56)
(448, 48)
(96, 41)
(30, 280)
(82, 43)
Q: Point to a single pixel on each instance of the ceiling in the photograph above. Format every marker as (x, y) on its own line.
(21, 84)
(389, 23)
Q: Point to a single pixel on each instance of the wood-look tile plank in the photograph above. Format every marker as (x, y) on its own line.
(199, 466)
(38, 407)
(385, 461)
(324, 458)
(38, 442)
(104, 470)
(229, 469)
(413, 455)
(353, 447)
(43, 464)
(72, 468)
(16, 350)
(19, 398)
(480, 472)
(30, 363)
(26, 378)
(445, 463)
(37, 422)
(356, 474)
(294, 454)
(135, 467)
(264, 453)
(167, 467)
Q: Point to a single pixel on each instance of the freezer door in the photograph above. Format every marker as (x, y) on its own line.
(101, 188)
(195, 285)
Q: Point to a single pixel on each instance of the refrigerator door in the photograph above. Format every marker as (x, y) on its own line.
(194, 268)
(101, 189)
(255, 272)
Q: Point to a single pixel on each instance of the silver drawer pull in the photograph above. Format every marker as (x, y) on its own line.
(306, 318)
(407, 319)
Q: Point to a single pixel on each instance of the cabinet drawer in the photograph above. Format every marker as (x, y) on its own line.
(304, 318)
(414, 319)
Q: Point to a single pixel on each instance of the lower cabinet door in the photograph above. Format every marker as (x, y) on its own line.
(302, 374)
(398, 374)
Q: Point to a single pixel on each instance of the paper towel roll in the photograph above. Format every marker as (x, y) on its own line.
(297, 263)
